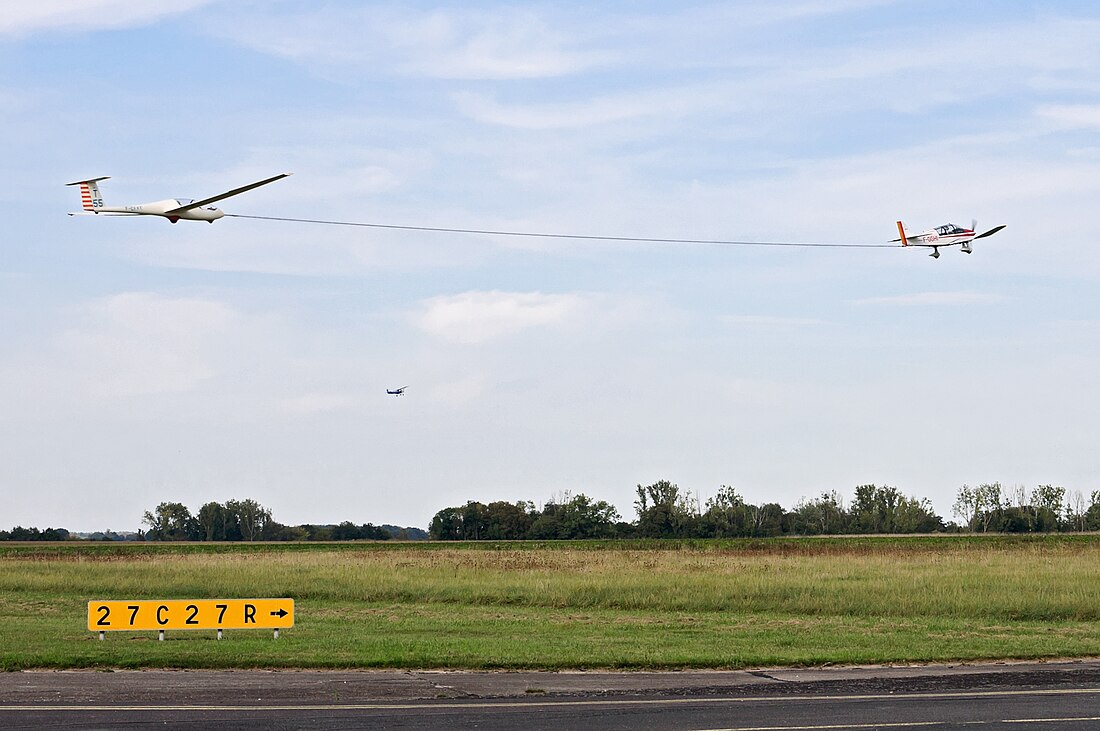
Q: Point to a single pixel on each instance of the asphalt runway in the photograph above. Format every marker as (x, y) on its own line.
(1062, 696)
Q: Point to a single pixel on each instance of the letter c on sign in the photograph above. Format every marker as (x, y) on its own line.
(161, 620)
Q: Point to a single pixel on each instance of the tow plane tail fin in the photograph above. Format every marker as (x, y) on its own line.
(901, 232)
(90, 197)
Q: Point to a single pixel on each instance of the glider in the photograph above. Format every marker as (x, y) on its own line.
(946, 235)
(174, 209)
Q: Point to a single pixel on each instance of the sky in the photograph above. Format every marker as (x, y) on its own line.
(144, 362)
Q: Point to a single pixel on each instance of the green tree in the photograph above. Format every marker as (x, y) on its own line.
(583, 517)
(825, 515)
(988, 501)
(767, 520)
(346, 531)
(965, 505)
(1076, 511)
(1012, 519)
(446, 525)
(211, 521)
(508, 521)
(663, 512)
(575, 517)
(316, 532)
(980, 505)
(249, 516)
(275, 531)
(1092, 515)
(872, 509)
(726, 515)
(1046, 503)
(475, 521)
(886, 510)
(917, 516)
(171, 522)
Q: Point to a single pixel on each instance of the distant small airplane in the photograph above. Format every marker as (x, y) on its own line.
(397, 391)
(174, 209)
(946, 235)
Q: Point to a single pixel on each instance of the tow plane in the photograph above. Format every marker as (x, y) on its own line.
(397, 391)
(946, 235)
(174, 209)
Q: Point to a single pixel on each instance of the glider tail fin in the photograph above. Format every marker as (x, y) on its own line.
(90, 197)
(901, 232)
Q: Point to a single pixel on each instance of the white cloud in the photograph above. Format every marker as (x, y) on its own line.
(476, 317)
(460, 392)
(449, 44)
(17, 101)
(144, 343)
(668, 103)
(935, 299)
(500, 45)
(317, 403)
(771, 12)
(771, 321)
(1071, 116)
(43, 15)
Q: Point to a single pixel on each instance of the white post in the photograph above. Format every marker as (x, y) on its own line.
(161, 635)
(102, 635)
(219, 634)
(276, 633)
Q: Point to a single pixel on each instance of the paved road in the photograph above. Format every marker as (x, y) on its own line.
(1052, 696)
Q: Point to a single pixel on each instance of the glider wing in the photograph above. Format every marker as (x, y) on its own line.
(223, 196)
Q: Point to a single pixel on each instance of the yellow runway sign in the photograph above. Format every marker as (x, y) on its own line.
(175, 614)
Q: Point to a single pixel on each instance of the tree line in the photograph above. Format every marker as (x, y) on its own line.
(989, 507)
(247, 520)
(663, 510)
(19, 533)
(233, 520)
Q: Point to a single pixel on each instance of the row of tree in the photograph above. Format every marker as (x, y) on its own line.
(19, 533)
(665, 511)
(572, 517)
(991, 508)
(247, 520)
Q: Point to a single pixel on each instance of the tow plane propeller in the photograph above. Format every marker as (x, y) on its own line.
(174, 209)
(946, 235)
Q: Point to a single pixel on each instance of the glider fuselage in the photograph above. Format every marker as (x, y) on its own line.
(174, 209)
(162, 208)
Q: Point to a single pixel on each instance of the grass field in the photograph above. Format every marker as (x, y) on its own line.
(721, 604)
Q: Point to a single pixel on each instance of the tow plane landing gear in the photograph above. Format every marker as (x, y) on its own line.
(935, 252)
